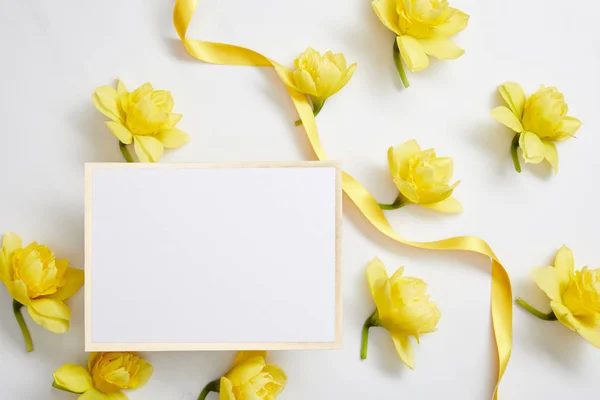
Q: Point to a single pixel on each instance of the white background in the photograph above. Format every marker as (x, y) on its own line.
(55, 53)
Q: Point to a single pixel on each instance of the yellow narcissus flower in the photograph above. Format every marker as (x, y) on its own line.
(143, 116)
(320, 76)
(249, 378)
(403, 308)
(423, 29)
(38, 281)
(105, 376)
(574, 295)
(422, 178)
(538, 121)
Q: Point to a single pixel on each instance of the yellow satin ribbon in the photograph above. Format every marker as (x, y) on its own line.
(226, 54)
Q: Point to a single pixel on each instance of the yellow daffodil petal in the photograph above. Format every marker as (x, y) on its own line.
(11, 242)
(226, 389)
(304, 82)
(400, 155)
(568, 127)
(376, 275)
(4, 269)
(387, 14)
(412, 53)
(243, 356)
(564, 315)
(174, 119)
(564, 263)
(242, 373)
(589, 328)
(120, 131)
(507, 118)
(51, 308)
(106, 99)
(142, 376)
(533, 148)
(18, 291)
(74, 281)
(456, 23)
(342, 82)
(278, 376)
(551, 155)
(173, 138)
(55, 325)
(121, 88)
(407, 190)
(74, 378)
(548, 279)
(148, 149)
(93, 394)
(449, 206)
(514, 96)
(441, 48)
(404, 349)
(116, 396)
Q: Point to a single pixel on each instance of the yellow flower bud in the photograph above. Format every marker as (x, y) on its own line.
(143, 116)
(538, 121)
(37, 280)
(106, 375)
(574, 295)
(403, 308)
(249, 378)
(423, 28)
(321, 76)
(422, 177)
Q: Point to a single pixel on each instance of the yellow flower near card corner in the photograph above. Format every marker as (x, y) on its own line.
(423, 29)
(538, 121)
(403, 308)
(320, 76)
(105, 376)
(574, 295)
(423, 178)
(250, 377)
(143, 117)
(38, 281)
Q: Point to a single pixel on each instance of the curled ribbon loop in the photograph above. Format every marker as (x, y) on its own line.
(226, 54)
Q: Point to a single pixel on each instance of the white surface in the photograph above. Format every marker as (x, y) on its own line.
(55, 53)
(212, 255)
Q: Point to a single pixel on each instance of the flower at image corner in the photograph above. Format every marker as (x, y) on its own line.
(250, 377)
(539, 121)
(320, 76)
(143, 117)
(422, 178)
(36, 280)
(423, 28)
(105, 376)
(403, 308)
(574, 295)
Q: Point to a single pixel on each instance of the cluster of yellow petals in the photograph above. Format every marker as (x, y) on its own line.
(423, 178)
(423, 29)
(38, 281)
(252, 378)
(574, 295)
(143, 117)
(539, 120)
(403, 307)
(105, 376)
(320, 76)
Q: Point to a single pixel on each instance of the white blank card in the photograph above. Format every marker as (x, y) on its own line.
(212, 256)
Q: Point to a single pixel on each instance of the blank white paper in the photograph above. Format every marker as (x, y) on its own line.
(212, 255)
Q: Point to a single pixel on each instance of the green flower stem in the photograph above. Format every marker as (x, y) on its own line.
(373, 320)
(214, 386)
(24, 330)
(513, 152)
(125, 152)
(546, 317)
(400, 201)
(317, 106)
(399, 66)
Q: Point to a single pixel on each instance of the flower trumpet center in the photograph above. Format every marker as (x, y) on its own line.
(36, 266)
